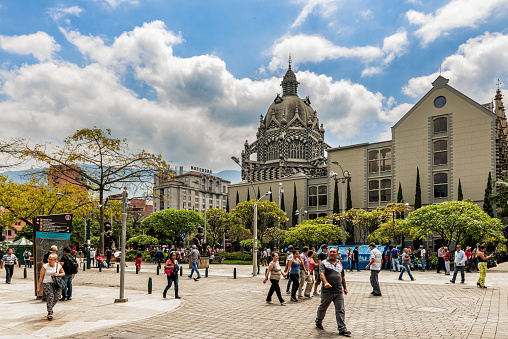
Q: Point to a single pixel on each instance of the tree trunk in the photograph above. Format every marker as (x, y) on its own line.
(101, 221)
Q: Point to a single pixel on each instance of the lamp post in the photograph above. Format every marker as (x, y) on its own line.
(255, 234)
(346, 175)
(299, 214)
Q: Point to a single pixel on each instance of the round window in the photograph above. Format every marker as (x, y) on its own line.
(439, 102)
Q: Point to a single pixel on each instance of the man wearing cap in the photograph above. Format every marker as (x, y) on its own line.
(422, 257)
(194, 257)
(8, 260)
(52, 250)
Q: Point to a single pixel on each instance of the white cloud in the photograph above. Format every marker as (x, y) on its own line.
(453, 15)
(323, 8)
(116, 3)
(366, 14)
(395, 45)
(473, 69)
(58, 13)
(41, 45)
(370, 71)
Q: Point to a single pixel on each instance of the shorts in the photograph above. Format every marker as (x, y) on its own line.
(317, 277)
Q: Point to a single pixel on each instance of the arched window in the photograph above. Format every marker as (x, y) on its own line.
(273, 151)
(440, 125)
(296, 150)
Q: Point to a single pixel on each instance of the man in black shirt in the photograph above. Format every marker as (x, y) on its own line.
(321, 257)
(334, 287)
(355, 260)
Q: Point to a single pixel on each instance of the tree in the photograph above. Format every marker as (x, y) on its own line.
(99, 162)
(11, 152)
(454, 221)
(269, 214)
(336, 206)
(314, 233)
(418, 191)
(294, 219)
(487, 205)
(392, 228)
(275, 235)
(236, 231)
(364, 223)
(217, 222)
(238, 198)
(171, 225)
(349, 201)
(460, 196)
(142, 240)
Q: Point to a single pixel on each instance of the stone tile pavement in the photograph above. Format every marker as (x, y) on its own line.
(220, 307)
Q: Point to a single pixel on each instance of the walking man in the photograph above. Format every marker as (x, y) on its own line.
(26, 256)
(194, 257)
(8, 260)
(394, 257)
(440, 258)
(334, 287)
(406, 264)
(460, 263)
(321, 257)
(422, 257)
(69, 268)
(355, 260)
(375, 267)
(305, 277)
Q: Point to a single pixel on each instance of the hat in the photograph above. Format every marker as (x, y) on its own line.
(193, 246)
(54, 247)
(421, 245)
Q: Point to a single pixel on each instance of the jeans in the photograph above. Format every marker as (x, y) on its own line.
(395, 265)
(462, 274)
(274, 288)
(194, 268)
(288, 285)
(374, 281)
(388, 264)
(447, 267)
(353, 263)
(440, 264)
(338, 301)
(67, 290)
(423, 264)
(295, 279)
(172, 278)
(27, 262)
(9, 271)
(406, 268)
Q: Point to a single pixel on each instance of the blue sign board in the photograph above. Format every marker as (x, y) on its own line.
(363, 254)
(53, 235)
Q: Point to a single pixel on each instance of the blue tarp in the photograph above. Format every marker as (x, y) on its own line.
(363, 254)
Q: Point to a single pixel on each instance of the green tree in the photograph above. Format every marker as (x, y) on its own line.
(460, 196)
(349, 201)
(294, 219)
(269, 214)
(171, 225)
(236, 231)
(418, 191)
(218, 223)
(275, 235)
(314, 233)
(487, 205)
(364, 223)
(392, 228)
(454, 221)
(142, 240)
(26, 232)
(336, 205)
(237, 198)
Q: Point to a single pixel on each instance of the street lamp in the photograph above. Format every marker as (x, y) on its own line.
(299, 214)
(346, 176)
(255, 234)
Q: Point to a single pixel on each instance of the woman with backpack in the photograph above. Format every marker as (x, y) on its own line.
(171, 270)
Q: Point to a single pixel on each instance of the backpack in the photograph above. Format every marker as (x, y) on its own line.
(73, 265)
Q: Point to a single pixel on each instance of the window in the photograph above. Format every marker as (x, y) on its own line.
(440, 185)
(312, 216)
(318, 196)
(197, 199)
(184, 197)
(380, 190)
(273, 151)
(296, 150)
(380, 160)
(216, 187)
(439, 102)
(183, 204)
(440, 125)
(440, 152)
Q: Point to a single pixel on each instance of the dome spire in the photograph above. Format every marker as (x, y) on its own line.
(289, 83)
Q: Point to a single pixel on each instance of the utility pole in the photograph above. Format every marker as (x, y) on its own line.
(122, 298)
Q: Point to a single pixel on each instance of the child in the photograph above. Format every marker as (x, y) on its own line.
(447, 256)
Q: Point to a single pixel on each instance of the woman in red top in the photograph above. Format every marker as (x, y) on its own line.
(467, 252)
(171, 270)
(447, 256)
(312, 264)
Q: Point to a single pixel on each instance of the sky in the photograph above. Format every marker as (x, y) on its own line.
(189, 79)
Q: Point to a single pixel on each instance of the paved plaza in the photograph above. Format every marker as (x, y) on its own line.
(222, 307)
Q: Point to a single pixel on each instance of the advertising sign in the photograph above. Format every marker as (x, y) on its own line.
(363, 254)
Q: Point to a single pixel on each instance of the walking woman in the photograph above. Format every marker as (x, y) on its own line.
(171, 270)
(482, 265)
(52, 294)
(349, 255)
(274, 271)
(295, 265)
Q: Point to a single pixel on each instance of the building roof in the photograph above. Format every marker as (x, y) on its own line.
(199, 174)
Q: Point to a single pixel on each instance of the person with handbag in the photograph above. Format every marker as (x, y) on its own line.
(171, 270)
(52, 283)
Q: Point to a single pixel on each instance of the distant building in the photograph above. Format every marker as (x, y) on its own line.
(189, 191)
(61, 174)
(142, 207)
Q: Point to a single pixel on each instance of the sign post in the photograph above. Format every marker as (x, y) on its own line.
(125, 202)
(49, 230)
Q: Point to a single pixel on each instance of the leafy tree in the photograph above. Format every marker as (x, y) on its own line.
(269, 214)
(275, 235)
(247, 244)
(418, 192)
(349, 201)
(487, 205)
(142, 240)
(100, 162)
(238, 198)
(236, 231)
(364, 223)
(454, 221)
(315, 232)
(294, 219)
(26, 232)
(217, 222)
(336, 205)
(460, 196)
(172, 225)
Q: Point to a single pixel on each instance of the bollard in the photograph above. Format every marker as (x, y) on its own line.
(117, 268)
(157, 270)
(206, 272)
(24, 273)
(149, 285)
(234, 273)
(84, 267)
(137, 269)
(100, 268)
(181, 270)
(19, 263)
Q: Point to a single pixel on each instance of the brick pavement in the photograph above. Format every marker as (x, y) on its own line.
(220, 307)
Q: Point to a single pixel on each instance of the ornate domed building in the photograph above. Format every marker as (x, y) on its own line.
(290, 140)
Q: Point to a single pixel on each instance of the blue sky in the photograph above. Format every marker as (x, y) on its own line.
(189, 79)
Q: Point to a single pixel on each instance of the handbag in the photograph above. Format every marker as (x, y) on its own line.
(58, 282)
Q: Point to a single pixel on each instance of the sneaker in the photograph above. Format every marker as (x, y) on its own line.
(69, 298)
(196, 279)
(453, 282)
(413, 279)
(377, 294)
(462, 282)
(320, 326)
(283, 303)
(401, 279)
(287, 292)
(294, 300)
(268, 301)
(345, 333)
(177, 297)
(307, 295)
(62, 299)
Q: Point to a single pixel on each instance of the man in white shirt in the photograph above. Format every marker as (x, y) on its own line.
(422, 257)
(375, 267)
(460, 263)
